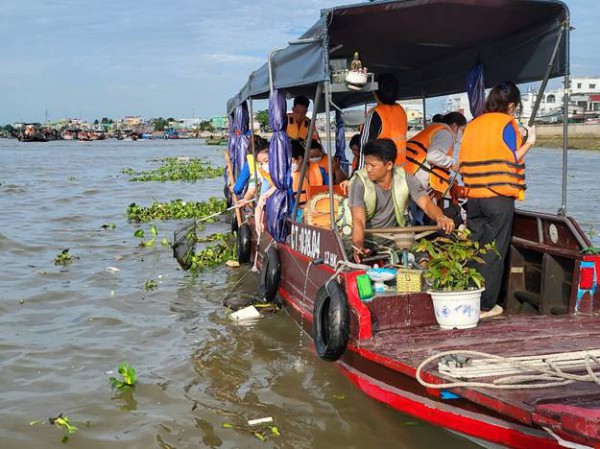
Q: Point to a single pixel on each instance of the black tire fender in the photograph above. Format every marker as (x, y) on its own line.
(234, 223)
(270, 274)
(331, 322)
(243, 244)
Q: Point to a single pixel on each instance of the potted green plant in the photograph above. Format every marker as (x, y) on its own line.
(456, 286)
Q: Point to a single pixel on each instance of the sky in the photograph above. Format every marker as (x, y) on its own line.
(180, 58)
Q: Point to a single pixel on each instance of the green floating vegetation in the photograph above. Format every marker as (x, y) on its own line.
(150, 285)
(213, 255)
(175, 210)
(63, 258)
(62, 422)
(128, 377)
(262, 432)
(176, 169)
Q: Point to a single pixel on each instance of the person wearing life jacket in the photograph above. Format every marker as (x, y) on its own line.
(493, 173)
(298, 124)
(379, 195)
(314, 176)
(429, 158)
(387, 120)
(318, 156)
(246, 178)
(261, 162)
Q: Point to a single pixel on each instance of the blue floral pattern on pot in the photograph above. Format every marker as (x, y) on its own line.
(467, 310)
(443, 312)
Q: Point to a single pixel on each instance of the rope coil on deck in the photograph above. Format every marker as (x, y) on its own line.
(550, 373)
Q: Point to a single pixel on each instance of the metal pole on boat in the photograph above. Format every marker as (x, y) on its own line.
(313, 120)
(329, 154)
(424, 112)
(567, 89)
(540, 94)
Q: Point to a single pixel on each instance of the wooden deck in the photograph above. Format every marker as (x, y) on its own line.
(572, 408)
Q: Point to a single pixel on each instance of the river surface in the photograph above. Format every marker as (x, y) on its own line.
(64, 330)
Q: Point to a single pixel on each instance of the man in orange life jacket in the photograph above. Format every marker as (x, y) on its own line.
(387, 120)
(298, 124)
(492, 169)
(429, 158)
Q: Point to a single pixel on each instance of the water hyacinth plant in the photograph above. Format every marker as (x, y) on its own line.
(62, 422)
(177, 169)
(128, 377)
(63, 258)
(176, 209)
(213, 255)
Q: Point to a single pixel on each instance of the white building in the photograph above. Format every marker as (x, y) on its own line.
(584, 101)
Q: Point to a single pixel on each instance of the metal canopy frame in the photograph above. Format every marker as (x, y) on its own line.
(314, 81)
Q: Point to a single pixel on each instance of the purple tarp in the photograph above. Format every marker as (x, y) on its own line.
(241, 122)
(280, 160)
(476, 90)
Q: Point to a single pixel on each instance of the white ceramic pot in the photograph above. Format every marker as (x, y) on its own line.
(457, 310)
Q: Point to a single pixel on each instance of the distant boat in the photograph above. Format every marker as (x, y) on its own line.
(32, 133)
(216, 141)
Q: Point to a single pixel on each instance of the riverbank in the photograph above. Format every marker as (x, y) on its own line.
(575, 142)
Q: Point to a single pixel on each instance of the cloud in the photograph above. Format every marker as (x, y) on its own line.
(164, 58)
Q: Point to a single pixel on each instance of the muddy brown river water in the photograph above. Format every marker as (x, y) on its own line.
(64, 330)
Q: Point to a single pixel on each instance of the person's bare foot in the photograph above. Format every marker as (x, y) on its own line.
(494, 311)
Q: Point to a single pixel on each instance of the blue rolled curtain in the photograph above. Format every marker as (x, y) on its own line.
(476, 90)
(240, 143)
(280, 162)
(340, 141)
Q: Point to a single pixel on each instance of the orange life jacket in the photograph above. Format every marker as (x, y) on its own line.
(299, 130)
(488, 166)
(313, 177)
(323, 163)
(394, 126)
(416, 155)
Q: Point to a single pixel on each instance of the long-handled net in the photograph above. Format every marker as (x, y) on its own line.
(184, 244)
(185, 238)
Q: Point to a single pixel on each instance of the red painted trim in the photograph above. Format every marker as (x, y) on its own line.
(501, 432)
(514, 412)
(365, 326)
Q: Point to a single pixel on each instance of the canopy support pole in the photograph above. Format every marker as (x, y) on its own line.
(424, 112)
(567, 89)
(313, 121)
(329, 154)
(540, 95)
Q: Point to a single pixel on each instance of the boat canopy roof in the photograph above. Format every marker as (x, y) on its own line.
(430, 45)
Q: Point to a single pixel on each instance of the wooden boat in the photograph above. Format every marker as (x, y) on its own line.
(550, 291)
(216, 141)
(32, 133)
